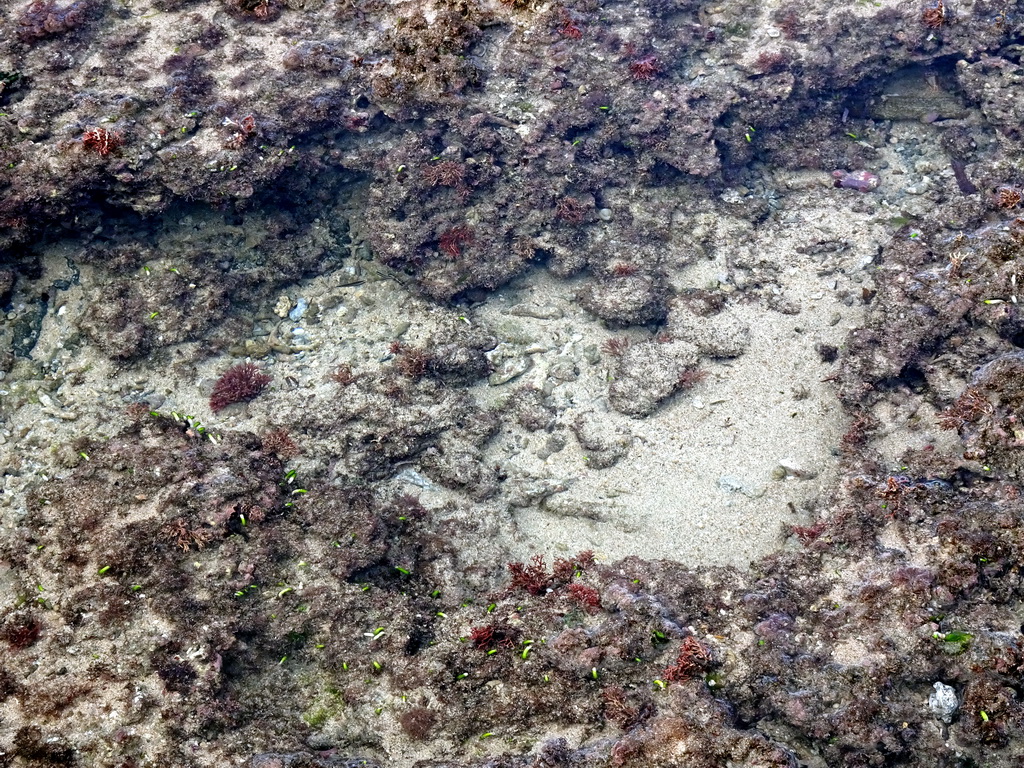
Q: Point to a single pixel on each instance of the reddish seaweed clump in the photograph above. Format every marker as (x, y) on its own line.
(645, 68)
(451, 241)
(693, 659)
(934, 16)
(102, 141)
(237, 383)
(494, 636)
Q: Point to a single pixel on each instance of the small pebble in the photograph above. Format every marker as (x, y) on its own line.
(283, 305)
(299, 310)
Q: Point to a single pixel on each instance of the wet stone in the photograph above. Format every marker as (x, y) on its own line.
(307, 760)
(283, 306)
(563, 370)
(552, 445)
(298, 310)
(562, 506)
(943, 702)
(537, 311)
(509, 369)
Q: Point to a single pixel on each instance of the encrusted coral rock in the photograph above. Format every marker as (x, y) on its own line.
(631, 300)
(648, 373)
(720, 335)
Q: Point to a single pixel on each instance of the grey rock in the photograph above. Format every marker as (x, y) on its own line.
(552, 445)
(563, 369)
(411, 476)
(529, 492)
(906, 97)
(716, 336)
(648, 373)
(943, 702)
(307, 760)
(509, 369)
(563, 506)
(537, 311)
(632, 300)
(298, 310)
(603, 443)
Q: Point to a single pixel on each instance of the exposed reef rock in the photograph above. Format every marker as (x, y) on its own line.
(319, 577)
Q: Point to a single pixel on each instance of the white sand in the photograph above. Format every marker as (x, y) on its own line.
(664, 498)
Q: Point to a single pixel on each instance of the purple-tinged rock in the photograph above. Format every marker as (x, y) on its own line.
(863, 181)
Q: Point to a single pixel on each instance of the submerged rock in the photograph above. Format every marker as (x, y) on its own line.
(307, 760)
(943, 702)
(862, 181)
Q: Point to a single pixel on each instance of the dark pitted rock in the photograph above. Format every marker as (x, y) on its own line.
(307, 760)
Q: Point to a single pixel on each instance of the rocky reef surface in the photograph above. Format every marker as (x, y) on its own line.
(475, 383)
